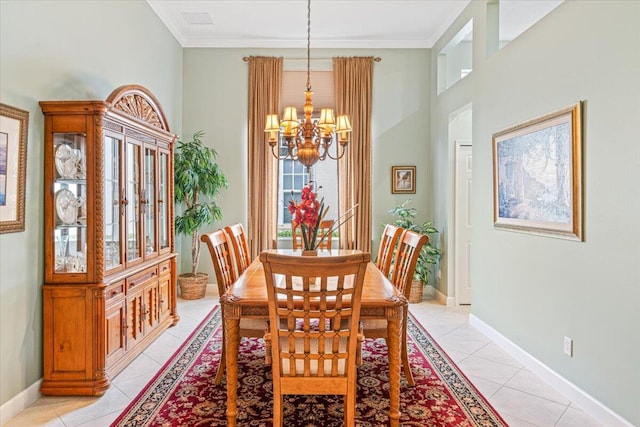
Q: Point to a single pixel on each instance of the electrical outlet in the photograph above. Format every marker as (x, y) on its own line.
(568, 346)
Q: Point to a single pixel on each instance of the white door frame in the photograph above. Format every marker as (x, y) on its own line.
(459, 129)
(462, 260)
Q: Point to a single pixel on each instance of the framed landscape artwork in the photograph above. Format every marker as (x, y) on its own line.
(14, 124)
(537, 175)
(403, 179)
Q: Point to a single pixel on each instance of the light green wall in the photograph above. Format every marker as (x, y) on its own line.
(535, 290)
(65, 50)
(215, 99)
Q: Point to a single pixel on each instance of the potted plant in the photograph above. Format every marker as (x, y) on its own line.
(198, 181)
(405, 217)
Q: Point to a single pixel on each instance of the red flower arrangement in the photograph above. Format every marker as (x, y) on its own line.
(309, 212)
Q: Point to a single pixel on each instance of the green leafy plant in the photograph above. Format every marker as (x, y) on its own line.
(198, 181)
(405, 217)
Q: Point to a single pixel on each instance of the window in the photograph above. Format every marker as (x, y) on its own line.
(293, 176)
(455, 60)
(507, 19)
(517, 16)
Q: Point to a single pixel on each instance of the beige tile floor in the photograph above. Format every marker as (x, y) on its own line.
(521, 397)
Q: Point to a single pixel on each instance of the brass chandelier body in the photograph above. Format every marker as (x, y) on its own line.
(308, 140)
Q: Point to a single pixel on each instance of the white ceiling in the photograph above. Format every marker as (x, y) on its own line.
(334, 23)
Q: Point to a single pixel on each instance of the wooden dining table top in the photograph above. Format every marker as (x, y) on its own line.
(250, 288)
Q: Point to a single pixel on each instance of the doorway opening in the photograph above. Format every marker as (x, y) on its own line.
(460, 142)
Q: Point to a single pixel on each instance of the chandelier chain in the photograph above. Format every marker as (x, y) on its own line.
(308, 141)
(308, 44)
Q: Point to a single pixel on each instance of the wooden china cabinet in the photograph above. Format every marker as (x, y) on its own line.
(110, 265)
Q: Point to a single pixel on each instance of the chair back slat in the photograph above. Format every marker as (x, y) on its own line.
(238, 239)
(222, 258)
(325, 228)
(295, 235)
(388, 242)
(406, 258)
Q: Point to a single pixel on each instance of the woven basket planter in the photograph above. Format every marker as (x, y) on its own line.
(416, 291)
(193, 287)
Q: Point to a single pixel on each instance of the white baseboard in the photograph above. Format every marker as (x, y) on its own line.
(20, 402)
(441, 298)
(585, 401)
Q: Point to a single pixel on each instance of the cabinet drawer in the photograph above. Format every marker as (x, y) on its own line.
(114, 292)
(165, 268)
(142, 277)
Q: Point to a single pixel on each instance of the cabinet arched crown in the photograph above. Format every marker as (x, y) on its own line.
(137, 102)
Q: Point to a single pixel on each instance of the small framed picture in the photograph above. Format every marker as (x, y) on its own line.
(403, 179)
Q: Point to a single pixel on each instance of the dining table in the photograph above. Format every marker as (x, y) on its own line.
(247, 298)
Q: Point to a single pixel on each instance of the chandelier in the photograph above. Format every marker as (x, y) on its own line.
(308, 140)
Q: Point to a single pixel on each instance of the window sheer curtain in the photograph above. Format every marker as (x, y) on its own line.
(265, 80)
(353, 79)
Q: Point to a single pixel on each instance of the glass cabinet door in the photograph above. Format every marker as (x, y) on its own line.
(149, 201)
(70, 194)
(163, 201)
(132, 201)
(112, 206)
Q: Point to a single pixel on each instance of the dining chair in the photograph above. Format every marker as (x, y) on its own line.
(388, 242)
(325, 227)
(314, 309)
(238, 239)
(296, 235)
(409, 246)
(223, 263)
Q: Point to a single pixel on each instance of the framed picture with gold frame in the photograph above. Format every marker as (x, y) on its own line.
(537, 175)
(403, 179)
(14, 125)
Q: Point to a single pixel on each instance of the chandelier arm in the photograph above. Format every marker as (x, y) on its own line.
(277, 155)
(338, 157)
(323, 146)
(322, 151)
(292, 143)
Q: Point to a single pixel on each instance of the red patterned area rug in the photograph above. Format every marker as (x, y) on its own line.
(183, 393)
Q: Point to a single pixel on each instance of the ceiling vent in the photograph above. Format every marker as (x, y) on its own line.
(197, 18)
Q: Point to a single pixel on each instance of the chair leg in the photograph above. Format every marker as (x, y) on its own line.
(405, 356)
(267, 343)
(221, 366)
(406, 366)
(277, 411)
(350, 407)
(361, 338)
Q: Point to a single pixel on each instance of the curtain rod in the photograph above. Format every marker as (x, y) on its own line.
(246, 58)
